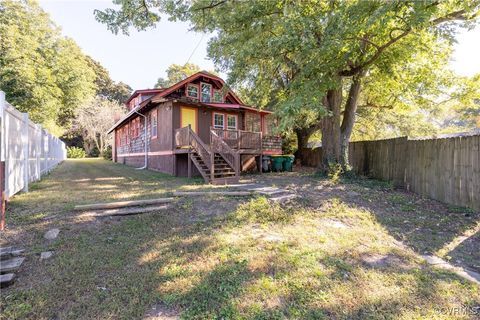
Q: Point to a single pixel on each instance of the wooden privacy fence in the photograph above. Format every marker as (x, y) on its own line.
(445, 169)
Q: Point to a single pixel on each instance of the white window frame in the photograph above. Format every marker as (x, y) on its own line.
(196, 86)
(221, 96)
(201, 92)
(223, 122)
(154, 124)
(236, 122)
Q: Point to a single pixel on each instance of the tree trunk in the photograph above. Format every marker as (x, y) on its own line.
(303, 134)
(349, 119)
(330, 126)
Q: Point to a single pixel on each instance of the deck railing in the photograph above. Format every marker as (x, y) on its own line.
(186, 138)
(240, 139)
(218, 145)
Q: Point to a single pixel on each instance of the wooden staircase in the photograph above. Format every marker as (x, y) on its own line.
(222, 171)
(217, 163)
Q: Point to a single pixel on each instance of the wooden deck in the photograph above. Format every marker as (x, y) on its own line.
(219, 160)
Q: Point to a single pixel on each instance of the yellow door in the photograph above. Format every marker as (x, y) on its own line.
(188, 116)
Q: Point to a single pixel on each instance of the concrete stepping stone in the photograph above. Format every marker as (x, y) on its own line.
(284, 198)
(45, 255)
(51, 234)
(464, 273)
(11, 264)
(269, 191)
(6, 279)
(7, 252)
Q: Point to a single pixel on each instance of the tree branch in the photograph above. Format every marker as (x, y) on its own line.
(456, 15)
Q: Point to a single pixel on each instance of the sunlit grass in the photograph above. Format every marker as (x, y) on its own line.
(256, 260)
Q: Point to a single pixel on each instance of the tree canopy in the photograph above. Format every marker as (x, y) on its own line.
(44, 73)
(310, 59)
(176, 73)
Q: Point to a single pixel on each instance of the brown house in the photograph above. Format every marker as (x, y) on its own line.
(196, 127)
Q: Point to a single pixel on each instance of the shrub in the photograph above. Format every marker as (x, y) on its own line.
(107, 153)
(75, 152)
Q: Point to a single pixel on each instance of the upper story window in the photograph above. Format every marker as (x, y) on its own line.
(153, 119)
(217, 96)
(192, 91)
(206, 92)
(218, 120)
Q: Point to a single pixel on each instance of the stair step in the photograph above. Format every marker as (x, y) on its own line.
(6, 279)
(7, 266)
(7, 252)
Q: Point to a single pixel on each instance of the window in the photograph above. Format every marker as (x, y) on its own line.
(231, 122)
(217, 96)
(218, 120)
(153, 118)
(192, 91)
(206, 92)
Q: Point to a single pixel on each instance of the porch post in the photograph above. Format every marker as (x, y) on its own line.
(261, 152)
(189, 164)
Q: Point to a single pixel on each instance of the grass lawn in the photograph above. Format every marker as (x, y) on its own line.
(348, 250)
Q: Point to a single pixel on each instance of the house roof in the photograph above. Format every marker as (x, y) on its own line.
(162, 93)
(193, 77)
(141, 91)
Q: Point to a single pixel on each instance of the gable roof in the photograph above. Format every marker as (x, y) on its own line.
(193, 77)
(141, 91)
(162, 93)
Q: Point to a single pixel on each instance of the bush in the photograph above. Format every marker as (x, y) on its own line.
(107, 154)
(75, 152)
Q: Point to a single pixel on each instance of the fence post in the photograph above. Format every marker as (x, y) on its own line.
(26, 144)
(2, 161)
(45, 151)
(38, 151)
(2, 124)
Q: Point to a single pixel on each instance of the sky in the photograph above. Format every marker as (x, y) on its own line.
(141, 58)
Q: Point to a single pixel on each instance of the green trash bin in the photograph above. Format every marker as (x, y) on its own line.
(277, 163)
(288, 162)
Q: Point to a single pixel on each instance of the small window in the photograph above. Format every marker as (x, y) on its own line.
(153, 119)
(231, 122)
(206, 92)
(192, 91)
(217, 96)
(218, 120)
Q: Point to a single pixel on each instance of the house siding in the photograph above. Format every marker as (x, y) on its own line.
(160, 149)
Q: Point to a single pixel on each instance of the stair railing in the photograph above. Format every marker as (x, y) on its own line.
(203, 151)
(221, 147)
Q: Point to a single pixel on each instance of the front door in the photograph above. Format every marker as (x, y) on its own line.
(188, 116)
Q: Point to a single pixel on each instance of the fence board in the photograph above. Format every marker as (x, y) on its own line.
(27, 149)
(446, 169)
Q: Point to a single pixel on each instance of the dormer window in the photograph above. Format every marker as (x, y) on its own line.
(192, 91)
(206, 92)
(217, 96)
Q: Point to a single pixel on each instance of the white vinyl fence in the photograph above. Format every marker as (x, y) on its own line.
(28, 150)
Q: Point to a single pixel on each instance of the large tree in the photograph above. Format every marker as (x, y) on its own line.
(176, 73)
(106, 87)
(320, 51)
(94, 118)
(41, 72)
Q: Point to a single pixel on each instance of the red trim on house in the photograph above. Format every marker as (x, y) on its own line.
(192, 85)
(137, 92)
(190, 79)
